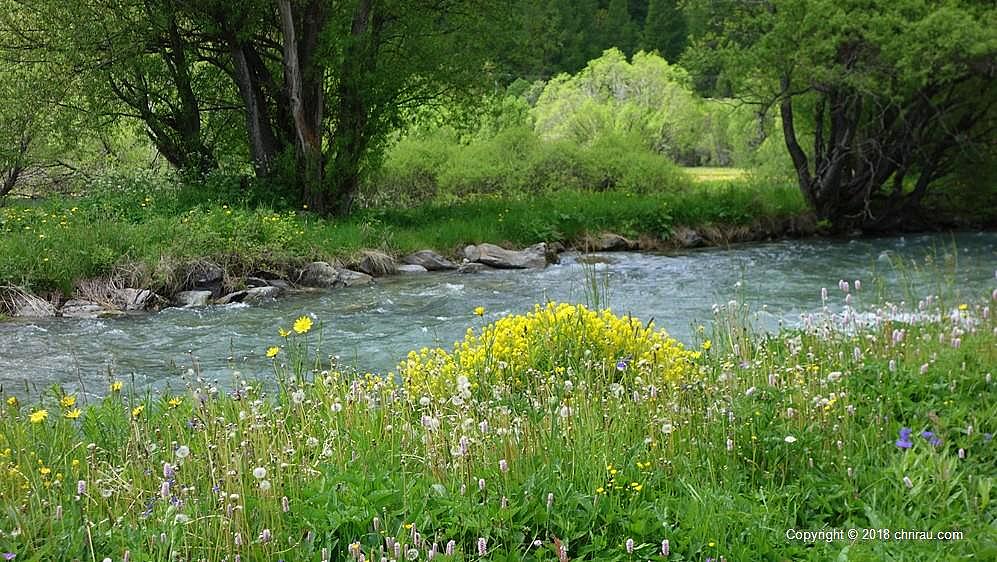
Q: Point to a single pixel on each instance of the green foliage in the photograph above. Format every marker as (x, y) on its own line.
(879, 100)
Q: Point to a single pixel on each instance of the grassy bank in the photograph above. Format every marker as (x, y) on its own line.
(148, 231)
(564, 428)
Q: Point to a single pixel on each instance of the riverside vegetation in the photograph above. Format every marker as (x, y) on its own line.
(566, 433)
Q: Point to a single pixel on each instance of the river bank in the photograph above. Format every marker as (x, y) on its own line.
(90, 249)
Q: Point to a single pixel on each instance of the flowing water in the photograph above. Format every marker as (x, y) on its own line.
(374, 327)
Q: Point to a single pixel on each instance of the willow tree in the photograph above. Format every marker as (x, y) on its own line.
(323, 84)
(878, 99)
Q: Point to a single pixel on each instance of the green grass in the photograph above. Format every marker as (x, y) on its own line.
(761, 435)
(147, 231)
(709, 174)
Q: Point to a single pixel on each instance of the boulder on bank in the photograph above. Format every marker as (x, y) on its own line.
(133, 299)
(534, 257)
(79, 308)
(472, 267)
(377, 264)
(324, 276)
(409, 268)
(205, 276)
(192, 299)
(350, 278)
(253, 295)
(611, 242)
(429, 260)
(318, 274)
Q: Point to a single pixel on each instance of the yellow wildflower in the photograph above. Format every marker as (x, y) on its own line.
(600, 490)
(116, 386)
(175, 401)
(45, 471)
(272, 352)
(73, 414)
(68, 401)
(12, 401)
(75, 463)
(302, 325)
(38, 416)
(137, 410)
(707, 345)
(963, 307)
(283, 333)
(480, 310)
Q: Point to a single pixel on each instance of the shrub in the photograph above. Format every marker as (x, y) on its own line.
(552, 339)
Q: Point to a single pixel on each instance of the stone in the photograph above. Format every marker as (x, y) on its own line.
(472, 267)
(256, 282)
(350, 278)
(610, 242)
(192, 299)
(206, 277)
(78, 308)
(430, 260)
(687, 238)
(495, 256)
(377, 264)
(133, 299)
(409, 268)
(254, 295)
(318, 274)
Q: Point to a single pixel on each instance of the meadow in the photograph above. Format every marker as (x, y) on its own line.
(564, 433)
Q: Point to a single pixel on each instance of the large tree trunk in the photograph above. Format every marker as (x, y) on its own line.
(305, 82)
(352, 116)
(250, 75)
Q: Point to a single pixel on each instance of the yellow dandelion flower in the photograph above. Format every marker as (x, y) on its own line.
(480, 310)
(283, 333)
(600, 490)
(963, 307)
(12, 401)
(175, 402)
(707, 345)
(137, 410)
(73, 414)
(75, 463)
(68, 401)
(45, 471)
(272, 352)
(116, 386)
(38, 416)
(302, 325)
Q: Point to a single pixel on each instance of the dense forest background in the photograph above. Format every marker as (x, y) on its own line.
(865, 106)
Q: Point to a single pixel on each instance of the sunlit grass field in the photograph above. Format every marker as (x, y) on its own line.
(565, 433)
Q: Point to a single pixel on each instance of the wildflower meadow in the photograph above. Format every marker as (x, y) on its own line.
(565, 433)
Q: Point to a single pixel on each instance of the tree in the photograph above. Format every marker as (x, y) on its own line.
(664, 29)
(324, 84)
(133, 60)
(878, 99)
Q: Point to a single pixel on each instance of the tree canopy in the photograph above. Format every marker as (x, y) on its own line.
(877, 99)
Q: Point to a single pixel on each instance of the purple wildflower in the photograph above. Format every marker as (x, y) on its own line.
(987, 437)
(622, 364)
(9, 555)
(904, 442)
(932, 438)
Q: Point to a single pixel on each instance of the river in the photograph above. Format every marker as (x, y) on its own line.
(373, 327)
